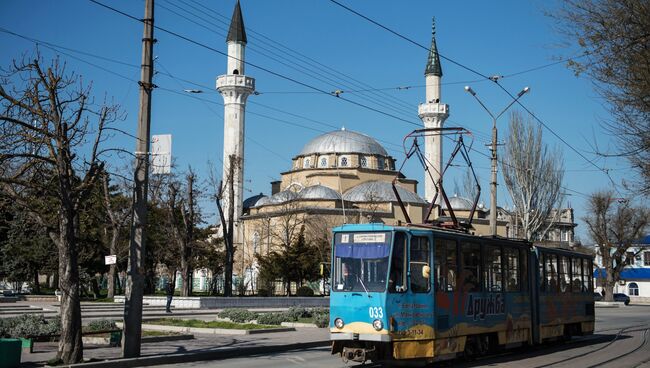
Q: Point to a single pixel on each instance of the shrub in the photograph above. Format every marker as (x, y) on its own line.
(296, 312)
(305, 291)
(238, 315)
(320, 317)
(31, 325)
(272, 318)
(101, 325)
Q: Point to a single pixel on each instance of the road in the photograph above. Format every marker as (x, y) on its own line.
(622, 339)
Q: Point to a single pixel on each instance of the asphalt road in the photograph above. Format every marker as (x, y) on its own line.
(622, 339)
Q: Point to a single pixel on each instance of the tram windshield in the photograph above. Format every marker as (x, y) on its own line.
(361, 261)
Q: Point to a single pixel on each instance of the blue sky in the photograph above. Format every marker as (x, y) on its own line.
(320, 44)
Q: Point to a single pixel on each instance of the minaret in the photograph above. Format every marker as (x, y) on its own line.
(235, 87)
(433, 115)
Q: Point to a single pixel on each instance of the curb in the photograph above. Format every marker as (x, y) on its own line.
(199, 356)
(210, 331)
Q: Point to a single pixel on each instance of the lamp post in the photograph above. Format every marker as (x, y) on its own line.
(493, 183)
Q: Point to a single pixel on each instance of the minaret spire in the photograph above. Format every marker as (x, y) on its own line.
(433, 61)
(236, 33)
(433, 114)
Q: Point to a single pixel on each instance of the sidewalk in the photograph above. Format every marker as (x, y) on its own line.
(202, 347)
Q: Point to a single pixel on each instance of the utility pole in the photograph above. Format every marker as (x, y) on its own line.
(134, 290)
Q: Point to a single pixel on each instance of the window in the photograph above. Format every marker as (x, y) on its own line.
(576, 275)
(360, 261)
(256, 242)
(524, 268)
(629, 258)
(564, 234)
(322, 162)
(344, 162)
(397, 278)
(512, 269)
(419, 258)
(587, 275)
(646, 258)
(363, 161)
(306, 163)
(492, 276)
(633, 289)
(470, 259)
(563, 274)
(550, 271)
(380, 163)
(446, 265)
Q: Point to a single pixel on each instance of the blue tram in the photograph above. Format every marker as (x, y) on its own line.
(409, 292)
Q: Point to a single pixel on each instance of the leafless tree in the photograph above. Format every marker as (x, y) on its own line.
(118, 215)
(614, 36)
(47, 148)
(614, 224)
(533, 174)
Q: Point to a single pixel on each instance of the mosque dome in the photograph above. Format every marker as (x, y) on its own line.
(380, 191)
(318, 192)
(253, 201)
(282, 197)
(343, 141)
(458, 203)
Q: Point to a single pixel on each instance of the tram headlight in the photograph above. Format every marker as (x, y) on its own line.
(339, 323)
(377, 324)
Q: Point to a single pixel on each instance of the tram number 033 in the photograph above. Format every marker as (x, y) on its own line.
(376, 312)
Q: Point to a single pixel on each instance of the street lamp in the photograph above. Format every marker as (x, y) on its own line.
(493, 183)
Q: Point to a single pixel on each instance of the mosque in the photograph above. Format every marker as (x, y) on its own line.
(338, 177)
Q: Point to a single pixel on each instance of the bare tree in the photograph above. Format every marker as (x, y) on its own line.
(614, 225)
(118, 215)
(533, 174)
(47, 118)
(615, 39)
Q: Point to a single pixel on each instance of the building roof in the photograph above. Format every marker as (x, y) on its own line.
(319, 192)
(433, 61)
(458, 203)
(252, 201)
(343, 141)
(380, 191)
(236, 33)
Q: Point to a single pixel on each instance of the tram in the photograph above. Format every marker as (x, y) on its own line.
(413, 293)
(434, 291)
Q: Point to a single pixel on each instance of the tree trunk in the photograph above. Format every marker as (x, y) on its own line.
(37, 285)
(186, 273)
(112, 268)
(70, 345)
(609, 277)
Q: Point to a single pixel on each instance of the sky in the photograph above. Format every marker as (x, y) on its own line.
(298, 51)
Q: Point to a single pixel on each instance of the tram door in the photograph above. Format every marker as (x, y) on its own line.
(535, 280)
(445, 260)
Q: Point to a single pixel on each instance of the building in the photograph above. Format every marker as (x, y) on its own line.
(635, 277)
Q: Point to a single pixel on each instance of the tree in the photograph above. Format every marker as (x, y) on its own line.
(614, 224)
(118, 211)
(615, 39)
(46, 117)
(533, 174)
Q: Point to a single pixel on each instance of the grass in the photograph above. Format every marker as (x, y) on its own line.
(209, 324)
(146, 333)
(305, 320)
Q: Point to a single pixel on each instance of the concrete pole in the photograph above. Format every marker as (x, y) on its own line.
(493, 183)
(131, 338)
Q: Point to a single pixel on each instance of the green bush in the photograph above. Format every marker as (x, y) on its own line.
(305, 291)
(101, 325)
(320, 317)
(29, 325)
(238, 315)
(272, 318)
(296, 312)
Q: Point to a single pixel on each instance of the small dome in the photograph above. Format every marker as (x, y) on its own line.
(263, 201)
(252, 201)
(319, 192)
(380, 191)
(283, 196)
(458, 203)
(343, 141)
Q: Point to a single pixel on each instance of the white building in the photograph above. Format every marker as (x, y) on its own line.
(635, 278)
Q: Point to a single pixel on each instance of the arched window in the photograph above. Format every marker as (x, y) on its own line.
(322, 162)
(235, 72)
(344, 161)
(306, 163)
(363, 162)
(633, 289)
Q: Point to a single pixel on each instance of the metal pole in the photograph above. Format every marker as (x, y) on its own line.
(133, 293)
(493, 183)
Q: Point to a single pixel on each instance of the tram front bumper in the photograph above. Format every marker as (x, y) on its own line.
(334, 336)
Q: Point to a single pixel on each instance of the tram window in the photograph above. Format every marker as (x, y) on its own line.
(587, 275)
(419, 257)
(511, 256)
(492, 275)
(543, 283)
(576, 274)
(550, 265)
(397, 278)
(470, 266)
(563, 274)
(523, 261)
(445, 264)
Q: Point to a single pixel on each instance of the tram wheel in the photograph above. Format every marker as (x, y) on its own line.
(477, 346)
